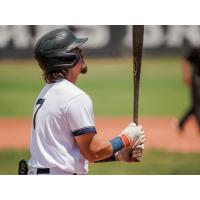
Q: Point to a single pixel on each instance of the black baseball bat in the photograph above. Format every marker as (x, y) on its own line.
(137, 38)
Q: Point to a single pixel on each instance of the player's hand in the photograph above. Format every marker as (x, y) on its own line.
(130, 155)
(137, 153)
(133, 135)
(124, 154)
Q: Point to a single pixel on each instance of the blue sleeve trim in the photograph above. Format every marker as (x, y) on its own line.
(117, 144)
(85, 130)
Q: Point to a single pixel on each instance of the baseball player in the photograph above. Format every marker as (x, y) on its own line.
(64, 138)
(191, 75)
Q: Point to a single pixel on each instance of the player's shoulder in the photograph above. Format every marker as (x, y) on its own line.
(68, 87)
(82, 98)
(74, 93)
(62, 90)
(79, 103)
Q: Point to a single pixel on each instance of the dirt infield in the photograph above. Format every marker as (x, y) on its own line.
(161, 133)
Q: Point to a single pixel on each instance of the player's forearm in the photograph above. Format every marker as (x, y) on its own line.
(100, 151)
(105, 150)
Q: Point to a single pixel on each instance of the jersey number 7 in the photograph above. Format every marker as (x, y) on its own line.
(40, 103)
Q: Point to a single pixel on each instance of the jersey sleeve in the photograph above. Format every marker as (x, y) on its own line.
(80, 115)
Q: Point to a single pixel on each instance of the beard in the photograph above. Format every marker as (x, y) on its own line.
(84, 70)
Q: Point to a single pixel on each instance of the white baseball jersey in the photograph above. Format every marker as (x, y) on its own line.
(62, 111)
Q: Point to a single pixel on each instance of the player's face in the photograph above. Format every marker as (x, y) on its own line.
(81, 63)
(80, 67)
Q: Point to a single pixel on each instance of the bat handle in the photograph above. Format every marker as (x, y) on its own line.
(135, 110)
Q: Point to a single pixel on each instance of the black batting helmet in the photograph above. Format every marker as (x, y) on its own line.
(54, 50)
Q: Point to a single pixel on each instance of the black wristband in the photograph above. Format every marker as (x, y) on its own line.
(109, 159)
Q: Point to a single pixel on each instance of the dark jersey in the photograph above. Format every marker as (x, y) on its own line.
(193, 57)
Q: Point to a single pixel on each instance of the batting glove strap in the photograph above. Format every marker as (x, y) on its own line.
(125, 140)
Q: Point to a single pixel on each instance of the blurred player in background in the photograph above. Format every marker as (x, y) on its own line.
(191, 77)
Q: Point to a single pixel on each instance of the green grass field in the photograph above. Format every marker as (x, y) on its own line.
(108, 82)
(154, 163)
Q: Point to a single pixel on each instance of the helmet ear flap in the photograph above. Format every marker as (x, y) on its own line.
(60, 62)
(69, 60)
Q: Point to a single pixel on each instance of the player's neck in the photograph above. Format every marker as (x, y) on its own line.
(72, 79)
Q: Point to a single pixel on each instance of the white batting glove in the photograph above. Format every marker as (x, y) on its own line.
(132, 135)
(130, 155)
(137, 152)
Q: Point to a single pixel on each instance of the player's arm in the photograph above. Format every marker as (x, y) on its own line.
(80, 117)
(93, 148)
(186, 72)
(191, 57)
